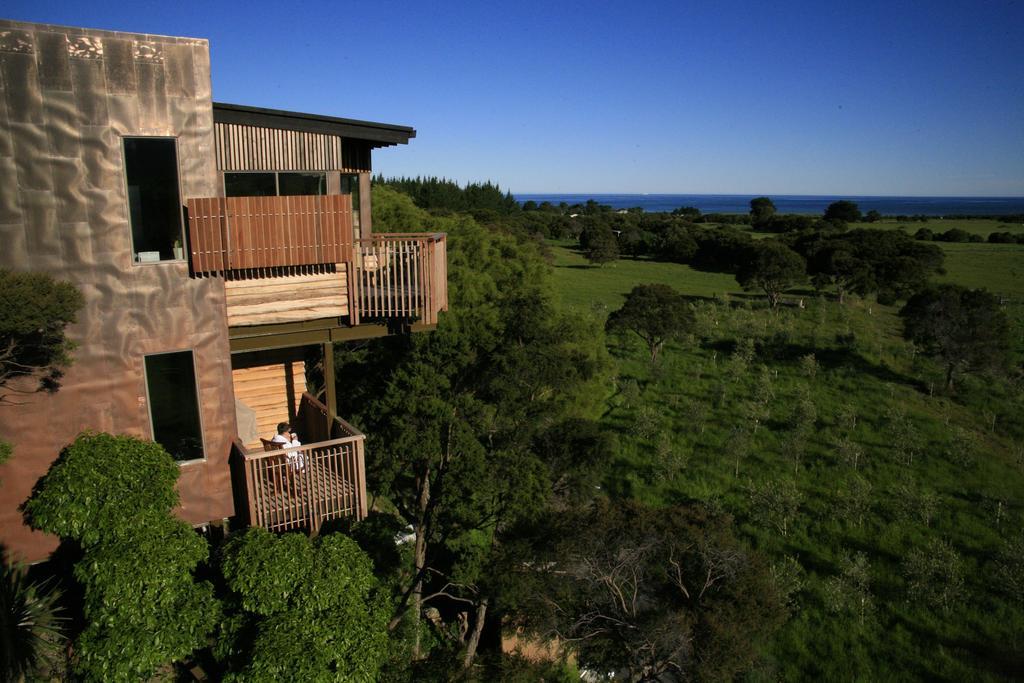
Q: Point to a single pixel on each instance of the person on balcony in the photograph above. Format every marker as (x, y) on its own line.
(287, 438)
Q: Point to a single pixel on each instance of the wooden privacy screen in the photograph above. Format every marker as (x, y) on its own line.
(242, 233)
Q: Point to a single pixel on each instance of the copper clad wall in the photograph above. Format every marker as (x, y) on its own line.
(66, 98)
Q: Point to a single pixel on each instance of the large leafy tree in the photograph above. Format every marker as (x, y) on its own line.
(113, 497)
(762, 211)
(454, 417)
(35, 309)
(843, 211)
(964, 328)
(772, 267)
(661, 594)
(866, 261)
(655, 313)
(302, 609)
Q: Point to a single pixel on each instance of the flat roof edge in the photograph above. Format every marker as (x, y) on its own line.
(374, 131)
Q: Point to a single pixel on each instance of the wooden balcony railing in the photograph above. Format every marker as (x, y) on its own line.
(304, 486)
(401, 275)
(250, 233)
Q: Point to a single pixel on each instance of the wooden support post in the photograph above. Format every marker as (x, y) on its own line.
(329, 384)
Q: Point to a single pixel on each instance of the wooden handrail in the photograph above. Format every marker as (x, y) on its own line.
(400, 276)
(263, 455)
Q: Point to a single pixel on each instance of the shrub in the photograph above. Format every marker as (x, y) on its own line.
(113, 495)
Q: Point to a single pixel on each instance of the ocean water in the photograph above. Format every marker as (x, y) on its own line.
(794, 203)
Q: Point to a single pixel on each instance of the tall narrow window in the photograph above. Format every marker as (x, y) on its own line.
(154, 203)
(174, 404)
(350, 186)
(301, 183)
(250, 184)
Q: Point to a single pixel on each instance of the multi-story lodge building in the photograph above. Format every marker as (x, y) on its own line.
(221, 250)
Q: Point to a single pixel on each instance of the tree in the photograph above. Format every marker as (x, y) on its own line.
(843, 211)
(873, 216)
(666, 594)
(656, 313)
(771, 267)
(35, 309)
(113, 497)
(935, 574)
(889, 262)
(602, 246)
(305, 609)
(964, 328)
(455, 417)
(762, 210)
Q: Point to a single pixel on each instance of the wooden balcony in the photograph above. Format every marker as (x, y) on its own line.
(329, 484)
(292, 259)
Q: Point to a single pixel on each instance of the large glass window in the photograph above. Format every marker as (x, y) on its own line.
(350, 185)
(250, 184)
(174, 404)
(301, 183)
(154, 203)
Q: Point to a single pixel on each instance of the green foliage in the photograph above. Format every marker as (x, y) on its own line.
(772, 267)
(103, 487)
(656, 313)
(31, 628)
(5, 451)
(935, 574)
(35, 309)
(762, 210)
(113, 495)
(963, 327)
(312, 608)
(869, 260)
(458, 414)
(656, 591)
(441, 193)
(843, 211)
(888, 506)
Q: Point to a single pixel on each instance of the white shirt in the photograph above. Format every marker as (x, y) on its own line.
(295, 458)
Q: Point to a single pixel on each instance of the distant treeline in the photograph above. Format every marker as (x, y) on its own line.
(435, 194)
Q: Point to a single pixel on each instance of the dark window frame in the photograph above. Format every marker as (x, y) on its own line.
(199, 401)
(128, 209)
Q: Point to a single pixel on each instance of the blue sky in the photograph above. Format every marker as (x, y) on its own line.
(859, 98)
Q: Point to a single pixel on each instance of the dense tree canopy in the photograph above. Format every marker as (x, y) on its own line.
(864, 261)
(771, 267)
(456, 417)
(308, 609)
(34, 311)
(762, 210)
(656, 313)
(843, 211)
(664, 594)
(964, 328)
(113, 495)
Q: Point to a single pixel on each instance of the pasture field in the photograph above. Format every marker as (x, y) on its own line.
(891, 512)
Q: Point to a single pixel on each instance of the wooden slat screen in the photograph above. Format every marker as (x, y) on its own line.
(255, 148)
(243, 233)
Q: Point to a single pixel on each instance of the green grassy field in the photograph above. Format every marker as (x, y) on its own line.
(584, 287)
(888, 467)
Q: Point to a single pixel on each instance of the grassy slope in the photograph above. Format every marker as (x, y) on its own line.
(676, 420)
